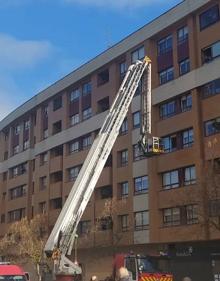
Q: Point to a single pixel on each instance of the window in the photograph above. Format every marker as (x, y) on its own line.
(211, 52)
(123, 158)
(123, 223)
(27, 124)
(45, 111)
(57, 103)
(123, 190)
(45, 134)
(16, 215)
(18, 170)
(16, 149)
(138, 54)
(192, 214)
(186, 102)
(3, 218)
(73, 172)
(168, 109)
(103, 77)
(105, 192)
(124, 127)
(103, 104)
(23, 168)
(17, 192)
(122, 69)
(84, 227)
(211, 128)
(170, 179)
(136, 119)
(86, 88)
(141, 220)
(56, 151)
(74, 146)
(43, 158)
(211, 89)
(42, 207)
(165, 45)
(74, 119)
(141, 185)
(56, 177)
(182, 34)
(43, 183)
(105, 223)
(5, 175)
(184, 66)
(209, 17)
(137, 153)
(166, 75)
(86, 141)
(87, 113)
(139, 88)
(17, 130)
(171, 216)
(187, 138)
(56, 203)
(74, 95)
(189, 175)
(26, 144)
(170, 143)
(15, 171)
(57, 127)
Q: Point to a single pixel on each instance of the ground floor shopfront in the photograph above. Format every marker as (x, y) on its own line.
(200, 261)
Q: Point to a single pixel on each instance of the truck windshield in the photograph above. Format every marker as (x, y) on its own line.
(12, 278)
(145, 265)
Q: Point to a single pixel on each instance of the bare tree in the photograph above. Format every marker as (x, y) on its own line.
(24, 241)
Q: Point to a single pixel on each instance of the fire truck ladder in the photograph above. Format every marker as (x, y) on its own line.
(63, 234)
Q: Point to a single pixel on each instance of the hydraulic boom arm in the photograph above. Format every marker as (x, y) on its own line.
(64, 231)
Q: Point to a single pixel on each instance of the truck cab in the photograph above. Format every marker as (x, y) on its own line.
(10, 272)
(140, 268)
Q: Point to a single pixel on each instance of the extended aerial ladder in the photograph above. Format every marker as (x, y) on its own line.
(62, 237)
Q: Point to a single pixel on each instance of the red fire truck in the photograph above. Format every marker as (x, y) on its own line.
(10, 272)
(141, 268)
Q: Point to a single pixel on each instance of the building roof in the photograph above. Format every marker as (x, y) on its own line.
(173, 15)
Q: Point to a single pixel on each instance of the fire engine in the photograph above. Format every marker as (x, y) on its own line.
(12, 272)
(63, 236)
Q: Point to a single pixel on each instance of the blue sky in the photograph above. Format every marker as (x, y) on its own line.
(43, 40)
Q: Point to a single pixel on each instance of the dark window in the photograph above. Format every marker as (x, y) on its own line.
(122, 69)
(210, 89)
(137, 153)
(57, 127)
(56, 203)
(5, 155)
(166, 75)
(17, 192)
(189, 175)
(43, 158)
(184, 66)
(73, 172)
(103, 77)
(186, 102)
(187, 138)
(74, 95)
(123, 190)
(56, 151)
(170, 143)
(103, 104)
(86, 88)
(124, 127)
(3, 218)
(87, 113)
(57, 103)
(105, 223)
(171, 216)
(191, 214)
(211, 52)
(138, 54)
(105, 192)
(123, 222)
(56, 177)
(136, 119)
(165, 45)
(141, 185)
(16, 215)
(168, 109)
(84, 227)
(123, 158)
(209, 17)
(42, 207)
(212, 127)
(74, 146)
(42, 183)
(86, 141)
(75, 119)
(170, 179)
(141, 220)
(182, 34)
(5, 174)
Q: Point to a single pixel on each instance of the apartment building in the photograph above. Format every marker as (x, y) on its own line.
(158, 205)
